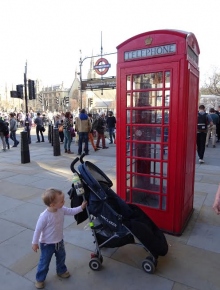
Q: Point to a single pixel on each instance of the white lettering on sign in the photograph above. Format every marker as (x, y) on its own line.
(149, 52)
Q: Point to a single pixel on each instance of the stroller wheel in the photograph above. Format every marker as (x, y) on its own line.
(148, 266)
(151, 258)
(95, 264)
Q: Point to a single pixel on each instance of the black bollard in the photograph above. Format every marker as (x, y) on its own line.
(56, 142)
(25, 153)
(49, 133)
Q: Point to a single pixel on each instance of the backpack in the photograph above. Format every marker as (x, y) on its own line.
(95, 124)
(202, 122)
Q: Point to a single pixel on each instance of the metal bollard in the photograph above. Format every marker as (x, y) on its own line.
(25, 153)
(49, 133)
(56, 142)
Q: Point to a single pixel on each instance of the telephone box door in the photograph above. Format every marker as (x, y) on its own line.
(150, 96)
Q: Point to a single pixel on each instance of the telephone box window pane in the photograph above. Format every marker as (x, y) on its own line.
(128, 83)
(166, 134)
(128, 149)
(141, 133)
(167, 79)
(128, 117)
(164, 169)
(145, 166)
(128, 164)
(128, 180)
(146, 99)
(148, 81)
(152, 151)
(165, 153)
(166, 116)
(164, 203)
(128, 100)
(164, 188)
(146, 116)
(128, 133)
(128, 195)
(167, 99)
(146, 183)
(144, 198)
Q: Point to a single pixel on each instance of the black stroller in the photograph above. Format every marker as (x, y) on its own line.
(113, 222)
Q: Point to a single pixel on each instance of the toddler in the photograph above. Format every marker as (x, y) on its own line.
(49, 233)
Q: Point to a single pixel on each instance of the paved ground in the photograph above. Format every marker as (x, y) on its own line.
(193, 260)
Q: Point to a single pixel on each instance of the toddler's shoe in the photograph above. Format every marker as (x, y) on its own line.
(39, 285)
(64, 275)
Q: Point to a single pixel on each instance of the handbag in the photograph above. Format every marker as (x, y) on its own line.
(72, 132)
(42, 129)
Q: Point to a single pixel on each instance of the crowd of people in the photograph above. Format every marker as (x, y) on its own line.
(69, 126)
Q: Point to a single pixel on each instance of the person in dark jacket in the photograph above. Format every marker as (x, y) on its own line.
(39, 128)
(101, 129)
(111, 122)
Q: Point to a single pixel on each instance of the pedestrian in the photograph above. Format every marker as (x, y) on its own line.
(39, 128)
(83, 127)
(91, 138)
(3, 133)
(13, 129)
(218, 125)
(67, 125)
(101, 129)
(49, 233)
(216, 204)
(212, 128)
(203, 119)
(111, 122)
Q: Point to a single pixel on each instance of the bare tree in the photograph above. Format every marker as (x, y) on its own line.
(212, 85)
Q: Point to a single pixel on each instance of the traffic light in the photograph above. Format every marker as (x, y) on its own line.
(14, 94)
(31, 90)
(91, 102)
(57, 100)
(20, 92)
(40, 98)
(67, 100)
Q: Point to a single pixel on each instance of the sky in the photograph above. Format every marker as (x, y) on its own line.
(49, 34)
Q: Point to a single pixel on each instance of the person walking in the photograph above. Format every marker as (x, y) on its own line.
(91, 138)
(202, 120)
(101, 129)
(13, 129)
(111, 122)
(3, 133)
(49, 233)
(212, 128)
(83, 127)
(39, 128)
(67, 125)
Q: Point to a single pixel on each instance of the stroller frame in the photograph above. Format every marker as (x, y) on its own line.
(149, 264)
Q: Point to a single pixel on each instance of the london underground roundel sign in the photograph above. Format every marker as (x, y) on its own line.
(102, 66)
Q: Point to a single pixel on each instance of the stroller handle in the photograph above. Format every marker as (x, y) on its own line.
(73, 164)
(81, 157)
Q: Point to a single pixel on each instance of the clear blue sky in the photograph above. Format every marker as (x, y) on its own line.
(50, 33)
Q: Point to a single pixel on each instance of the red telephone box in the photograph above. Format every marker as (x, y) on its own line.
(157, 104)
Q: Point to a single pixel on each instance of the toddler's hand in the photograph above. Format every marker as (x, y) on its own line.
(84, 204)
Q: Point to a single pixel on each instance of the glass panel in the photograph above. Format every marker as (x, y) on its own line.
(146, 183)
(128, 132)
(164, 169)
(165, 153)
(148, 81)
(128, 148)
(167, 99)
(128, 180)
(128, 100)
(128, 195)
(166, 134)
(167, 79)
(151, 98)
(164, 203)
(148, 199)
(166, 117)
(128, 162)
(128, 83)
(128, 116)
(164, 188)
(152, 151)
(141, 133)
(146, 116)
(145, 166)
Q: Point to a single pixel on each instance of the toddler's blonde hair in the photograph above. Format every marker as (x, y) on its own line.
(50, 195)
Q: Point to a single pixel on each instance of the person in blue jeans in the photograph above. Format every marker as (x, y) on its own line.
(49, 234)
(111, 122)
(67, 125)
(83, 127)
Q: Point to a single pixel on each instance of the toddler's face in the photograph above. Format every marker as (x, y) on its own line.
(59, 201)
